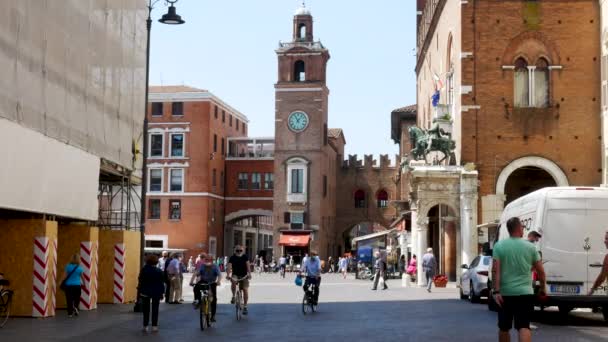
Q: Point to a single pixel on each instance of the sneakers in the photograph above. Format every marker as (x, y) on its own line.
(145, 329)
(213, 319)
(154, 329)
(245, 310)
(70, 316)
(232, 300)
(76, 312)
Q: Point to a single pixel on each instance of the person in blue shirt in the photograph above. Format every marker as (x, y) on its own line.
(208, 274)
(71, 277)
(312, 268)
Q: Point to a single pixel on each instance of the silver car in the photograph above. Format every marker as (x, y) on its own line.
(474, 279)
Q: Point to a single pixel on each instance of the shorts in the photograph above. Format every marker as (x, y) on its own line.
(516, 309)
(244, 284)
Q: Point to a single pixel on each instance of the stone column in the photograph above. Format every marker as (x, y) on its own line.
(468, 215)
(421, 246)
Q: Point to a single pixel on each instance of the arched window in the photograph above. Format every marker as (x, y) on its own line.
(359, 199)
(299, 71)
(541, 83)
(521, 86)
(382, 198)
(302, 32)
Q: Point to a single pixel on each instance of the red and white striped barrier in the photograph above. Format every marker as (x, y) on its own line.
(88, 261)
(53, 263)
(119, 273)
(43, 290)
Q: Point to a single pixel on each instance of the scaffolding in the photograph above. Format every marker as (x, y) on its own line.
(119, 200)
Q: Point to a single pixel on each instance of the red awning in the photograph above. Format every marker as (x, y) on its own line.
(298, 240)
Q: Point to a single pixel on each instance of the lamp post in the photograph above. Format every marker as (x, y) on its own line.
(170, 18)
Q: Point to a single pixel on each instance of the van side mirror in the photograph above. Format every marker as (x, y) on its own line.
(465, 266)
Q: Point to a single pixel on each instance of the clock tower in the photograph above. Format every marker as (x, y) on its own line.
(303, 158)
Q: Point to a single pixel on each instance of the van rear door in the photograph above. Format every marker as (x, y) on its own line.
(563, 246)
(597, 224)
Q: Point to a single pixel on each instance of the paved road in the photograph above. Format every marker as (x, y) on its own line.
(349, 310)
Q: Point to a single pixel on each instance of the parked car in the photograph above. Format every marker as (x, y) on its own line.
(572, 222)
(474, 280)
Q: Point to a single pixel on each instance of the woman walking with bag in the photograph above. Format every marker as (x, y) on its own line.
(71, 284)
(151, 289)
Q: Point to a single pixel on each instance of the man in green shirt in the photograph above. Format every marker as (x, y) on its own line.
(513, 261)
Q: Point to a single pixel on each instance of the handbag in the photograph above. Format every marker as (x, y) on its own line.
(298, 280)
(63, 286)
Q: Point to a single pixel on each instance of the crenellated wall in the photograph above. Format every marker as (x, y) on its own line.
(370, 175)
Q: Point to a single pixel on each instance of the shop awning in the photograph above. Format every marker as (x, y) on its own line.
(294, 240)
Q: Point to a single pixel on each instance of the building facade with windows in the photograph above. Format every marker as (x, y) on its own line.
(188, 134)
(522, 99)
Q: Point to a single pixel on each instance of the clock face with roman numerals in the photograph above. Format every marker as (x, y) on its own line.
(297, 121)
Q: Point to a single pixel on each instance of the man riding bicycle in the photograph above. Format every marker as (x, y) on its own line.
(239, 267)
(312, 268)
(208, 274)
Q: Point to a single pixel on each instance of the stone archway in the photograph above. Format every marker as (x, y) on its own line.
(531, 161)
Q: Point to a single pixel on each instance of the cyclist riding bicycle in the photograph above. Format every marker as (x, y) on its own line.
(312, 268)
(239, 267)
(208, 274)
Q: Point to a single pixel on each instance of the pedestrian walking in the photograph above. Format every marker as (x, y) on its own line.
(151, 288)
(343, 267)
(162, 260)
(225, 263)
(380, 276)
(330, 263)
(166, 262)
(71, 284)
(603, 275)
(190, 265)
(513, 261)
(429, 266)
(173, 272)
(402, 265)
(290, 263)
(412, 267)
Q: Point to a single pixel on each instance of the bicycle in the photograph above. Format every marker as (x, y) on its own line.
(6, 297)
(308, 302)
(205, 307)
(238, 297)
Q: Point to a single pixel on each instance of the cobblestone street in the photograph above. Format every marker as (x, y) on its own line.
(348, 310)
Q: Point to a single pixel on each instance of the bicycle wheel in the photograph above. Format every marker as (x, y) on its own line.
(202, 321)
(5, 307)
(305, 304)
(238, 306)
(208, 312)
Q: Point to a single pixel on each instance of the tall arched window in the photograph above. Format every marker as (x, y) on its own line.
(359, 199)
(302, 32)
(382, 198)
(541, 83)
(299, 71)
(521, 87)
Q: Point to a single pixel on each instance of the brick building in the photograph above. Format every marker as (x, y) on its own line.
(188, 133)
(522, 94)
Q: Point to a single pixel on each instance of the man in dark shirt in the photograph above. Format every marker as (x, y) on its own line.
(239, 268)
(166, 276)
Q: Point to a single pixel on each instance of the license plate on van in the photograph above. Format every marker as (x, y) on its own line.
(565, 289)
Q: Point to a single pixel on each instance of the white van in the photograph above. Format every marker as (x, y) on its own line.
(573, 222)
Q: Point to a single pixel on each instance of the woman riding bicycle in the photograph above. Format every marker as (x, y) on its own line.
(208, 274)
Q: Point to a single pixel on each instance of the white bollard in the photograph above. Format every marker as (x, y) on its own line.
(406, 280)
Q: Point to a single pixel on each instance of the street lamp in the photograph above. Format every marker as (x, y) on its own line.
(171, 18)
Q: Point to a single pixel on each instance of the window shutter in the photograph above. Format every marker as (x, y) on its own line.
(287, 217)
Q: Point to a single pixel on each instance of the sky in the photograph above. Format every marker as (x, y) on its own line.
(228, 47)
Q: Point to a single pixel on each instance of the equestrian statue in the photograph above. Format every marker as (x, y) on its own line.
(433, 140)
